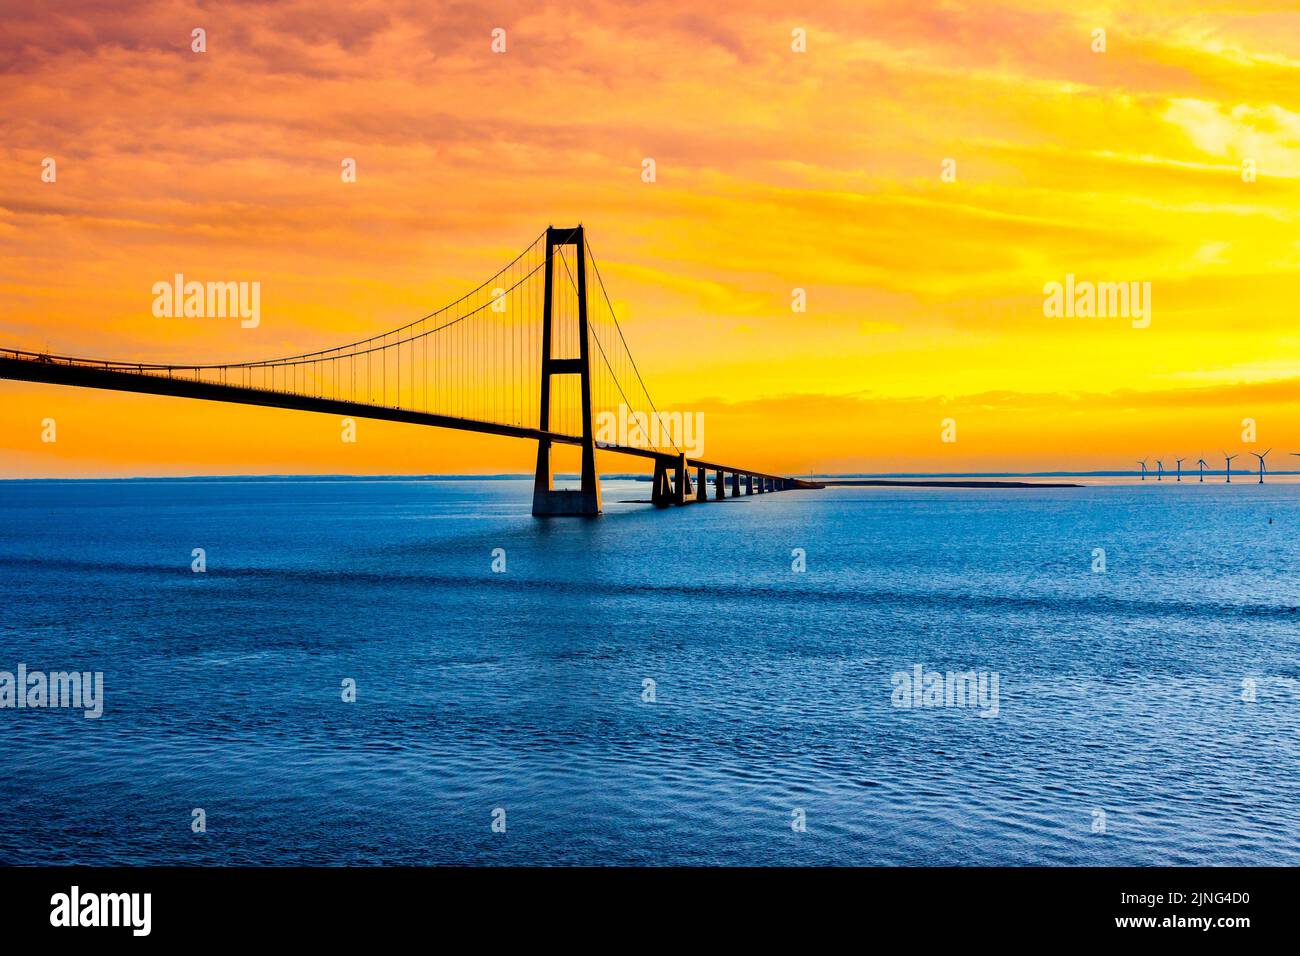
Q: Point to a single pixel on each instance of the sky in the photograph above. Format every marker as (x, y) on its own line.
(920, 171)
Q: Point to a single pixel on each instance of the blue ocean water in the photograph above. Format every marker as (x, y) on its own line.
(1125, 692)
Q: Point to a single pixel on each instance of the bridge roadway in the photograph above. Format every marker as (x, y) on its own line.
(672, 480)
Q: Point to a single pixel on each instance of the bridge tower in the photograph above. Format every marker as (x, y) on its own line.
(548, 500)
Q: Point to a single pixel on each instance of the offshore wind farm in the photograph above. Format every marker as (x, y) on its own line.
(1226, 472)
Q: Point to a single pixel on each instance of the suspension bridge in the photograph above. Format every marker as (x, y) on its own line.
(535, 352)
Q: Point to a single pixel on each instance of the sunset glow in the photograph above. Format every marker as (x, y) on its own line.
(1172, 157)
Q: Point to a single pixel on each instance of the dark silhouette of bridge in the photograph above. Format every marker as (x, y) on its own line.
(514, 358)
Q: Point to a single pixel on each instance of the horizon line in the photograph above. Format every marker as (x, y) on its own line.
(629, 476)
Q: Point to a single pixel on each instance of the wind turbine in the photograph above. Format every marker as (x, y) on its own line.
(1180, 468)
(1228, 470)
(1201, 462)
(1143, 463)
(1261, 463)
(1160, 470)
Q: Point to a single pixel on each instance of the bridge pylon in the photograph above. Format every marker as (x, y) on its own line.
(548, 501)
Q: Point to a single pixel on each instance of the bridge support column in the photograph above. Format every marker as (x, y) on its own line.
(547, 499)
(720, 485)
(661, 495)
(749, 484)
(701, 485)
(681, 482)
(735, 484)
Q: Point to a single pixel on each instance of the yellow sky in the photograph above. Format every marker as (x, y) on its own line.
(775, 169)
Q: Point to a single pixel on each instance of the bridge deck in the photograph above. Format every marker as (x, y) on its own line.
(84, 375)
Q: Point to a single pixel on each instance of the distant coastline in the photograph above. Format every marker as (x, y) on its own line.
(939, 483)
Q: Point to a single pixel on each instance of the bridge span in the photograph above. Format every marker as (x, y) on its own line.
(485, 363)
